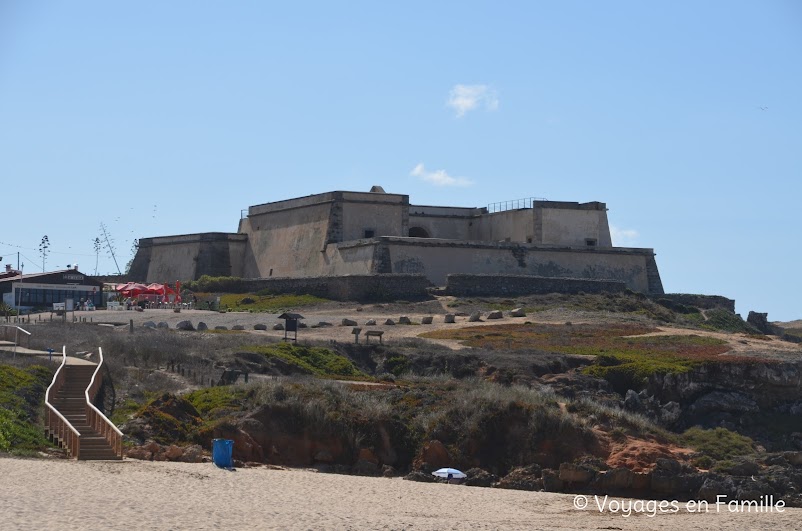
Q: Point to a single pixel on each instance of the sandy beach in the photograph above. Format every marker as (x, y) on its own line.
(62, 494)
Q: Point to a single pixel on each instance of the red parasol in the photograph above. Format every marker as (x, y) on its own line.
(132, 289)
(156, 289)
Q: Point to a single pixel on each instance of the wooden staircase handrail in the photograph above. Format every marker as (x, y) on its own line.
(57, 425)
(95, 418)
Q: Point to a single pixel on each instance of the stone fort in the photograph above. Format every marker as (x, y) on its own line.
(338, 234)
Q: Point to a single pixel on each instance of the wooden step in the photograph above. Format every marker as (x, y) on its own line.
(99, 456)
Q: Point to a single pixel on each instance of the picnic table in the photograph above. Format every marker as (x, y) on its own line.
(373, 333)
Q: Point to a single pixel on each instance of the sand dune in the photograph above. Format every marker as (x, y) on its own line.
(50, 494)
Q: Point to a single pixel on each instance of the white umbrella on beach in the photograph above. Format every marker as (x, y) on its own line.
(445, 472)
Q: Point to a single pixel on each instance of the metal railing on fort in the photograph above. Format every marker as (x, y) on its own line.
(95, 418)
(513, 204)
(56, 426)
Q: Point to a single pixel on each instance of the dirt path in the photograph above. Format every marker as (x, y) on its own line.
(334, 313)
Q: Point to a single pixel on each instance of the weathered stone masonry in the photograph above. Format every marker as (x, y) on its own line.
(357, 234)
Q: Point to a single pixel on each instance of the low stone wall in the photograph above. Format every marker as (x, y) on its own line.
(352, 287)
(704, 302)
(504, 285)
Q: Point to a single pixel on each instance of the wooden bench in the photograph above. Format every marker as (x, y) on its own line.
(373, 333)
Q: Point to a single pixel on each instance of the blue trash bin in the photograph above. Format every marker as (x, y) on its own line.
(222, 450)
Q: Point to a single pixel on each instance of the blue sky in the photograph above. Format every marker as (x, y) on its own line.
(161, 118)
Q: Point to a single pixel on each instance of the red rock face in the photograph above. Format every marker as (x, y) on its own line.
(245, 447)
(153, 451)
(433, 455)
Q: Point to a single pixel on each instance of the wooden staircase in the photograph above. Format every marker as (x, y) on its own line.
(69, 390)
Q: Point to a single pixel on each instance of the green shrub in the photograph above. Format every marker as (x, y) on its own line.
(312, 360)
(124, 411)
(718, 443)
(703, 462)
(269, 303)
(209, 284)
(726, 321)
(224, 397)
(397, 365)
(18, 435)
(22, 393)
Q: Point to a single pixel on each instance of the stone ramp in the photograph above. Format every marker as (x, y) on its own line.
(8, 346)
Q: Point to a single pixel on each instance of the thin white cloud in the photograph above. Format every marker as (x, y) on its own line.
(439, 177)
(623, 237)
(464, 98)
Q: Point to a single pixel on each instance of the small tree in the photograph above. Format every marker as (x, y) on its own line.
(96, 243)
(44, 245)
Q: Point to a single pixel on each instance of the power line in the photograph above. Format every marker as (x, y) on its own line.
(28, 259)
(34, 249)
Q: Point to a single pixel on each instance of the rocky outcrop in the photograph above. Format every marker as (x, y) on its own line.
(724, 402)
(620, 480)
(523, 478)
(153, 451)
(551, 481)
(432, 456)
(761, 322)
(672, 478)
(367, 463)
(166, 419)
(417, 475)
(477, 477)
(576, 475)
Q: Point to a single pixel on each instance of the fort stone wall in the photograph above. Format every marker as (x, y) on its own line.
(436, 259)
(187, 256)
(451, 223)
(290, 241)
(518, 285)
(381, 214)
(351, 287)
(363, 233)
(509, 225)
(564, 223)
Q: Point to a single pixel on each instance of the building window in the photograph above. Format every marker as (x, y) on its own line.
(370, 233)
(590, 242)
(418, 232)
